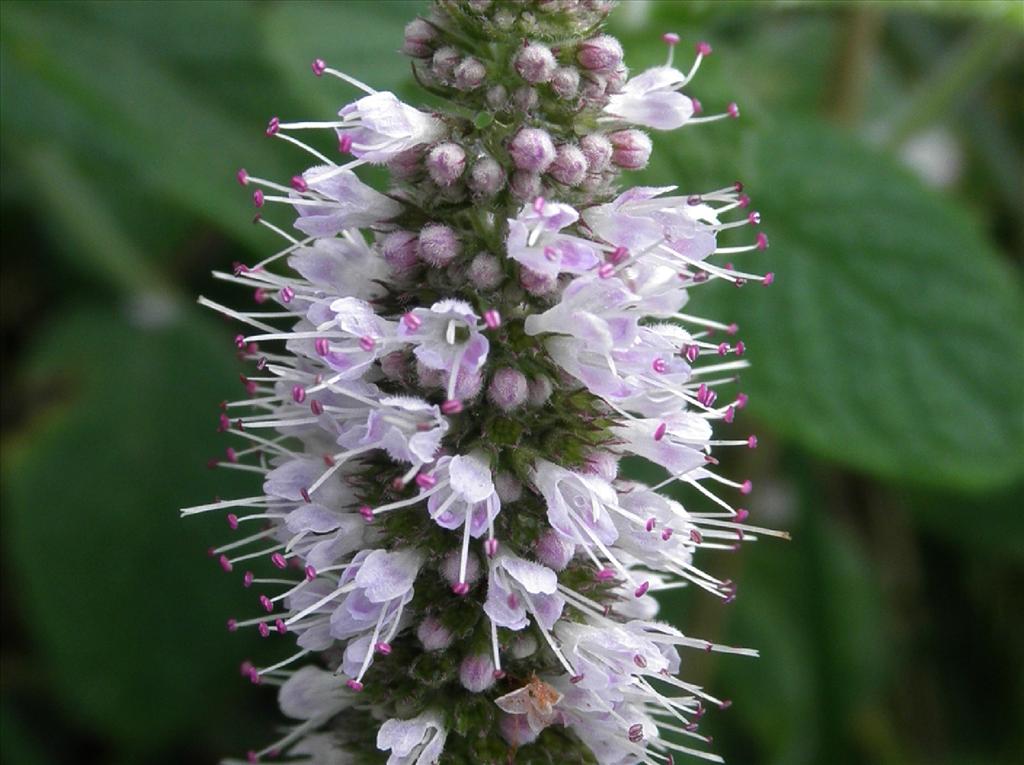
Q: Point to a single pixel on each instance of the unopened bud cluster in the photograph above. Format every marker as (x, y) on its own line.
(445, 388)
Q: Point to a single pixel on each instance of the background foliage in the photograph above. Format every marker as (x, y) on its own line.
(881, 141)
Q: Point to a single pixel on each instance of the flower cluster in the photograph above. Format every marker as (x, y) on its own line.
(448, 375)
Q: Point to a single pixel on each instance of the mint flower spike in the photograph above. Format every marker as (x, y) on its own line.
(444, 387)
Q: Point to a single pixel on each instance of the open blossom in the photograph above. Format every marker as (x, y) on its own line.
(453, 378)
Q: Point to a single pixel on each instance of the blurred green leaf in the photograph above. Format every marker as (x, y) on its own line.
(890, 340)
(16, 742)
(112, 584)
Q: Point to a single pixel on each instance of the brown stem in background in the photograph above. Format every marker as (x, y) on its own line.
(859, 32)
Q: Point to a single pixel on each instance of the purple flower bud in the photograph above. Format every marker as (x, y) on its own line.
(598, 150)
(469, 74)
(593, 88)
(394, 365)
(537, 284)
(486, 177)
(406, 165)
(485, 272)
(444, 62)
(540, 391)
(497, 97)
(523, 646)
(615, 79)
(632, 149)
(554, 551)
(418, 36)
(565, 82)
(532, 150)
(525, 185)
(438, 245)
(535, 63)
(433, 635)
(508, 389)
(516, 730)
(399, 250)
(429, 378)
(476, 673)
(446, 162)
(600, 54)
(468, 383)
(570, 165)
(525, 98)
(450, 564)
(508, 488)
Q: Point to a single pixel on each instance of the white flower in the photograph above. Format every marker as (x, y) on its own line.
(336, 200)
(419, 741)
(651, 100)
(379, 126)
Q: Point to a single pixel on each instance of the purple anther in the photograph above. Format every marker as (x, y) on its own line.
(264, 630)
(233, 521)
(225, 563)
(251, 756)
(703, 48)
(696, 537)
(730, 414)
(279, 560)
(267, 603)
(538, 205)
(240, 343)
(259, 295)
(768, 279)
(659, 432)
(232, 625)
(243, 176)
(451, 406)
(367, 512)
(223, 423)
(382, 648)
(741, 515)
(328, 460)
(231, 455)
(318, 66)
(247, 579)
(723, 348)
(412, 321)
(310, 573)
(636, 733)
(741, 348)
(640, 591)
(741, 400)
(733, 110)
(746, 487)
(367, 343)
(725, 704)
(397, 484)
(426, 481)
(304, 493)
(697, 108)
(660, 366)
(551, 254)
(691, 353)
(492, 318)
(666, 534)
(316, 407)
(299, 183)
(322, 346)
(355, 685)
(640, 661)
(280, 626)
(273, 126)
(604, 574)
(491, 547)
(345, 143)
(576, 679)
(670, 38)
(460, 588)
(762, 240)
(606, 270)
(651, 523)
(754, 218)
(298, 394)
(499, 674)
(752, 442)
(257, 197)
(287, 294)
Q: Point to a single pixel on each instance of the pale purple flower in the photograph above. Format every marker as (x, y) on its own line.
(379, 126)
(447, 338)
(518, 588)
(580, 507)
(419, 741)
(337, 200)
(465, 490)
(536, 241)
(407, 428)
(344, 265)
(651, 99)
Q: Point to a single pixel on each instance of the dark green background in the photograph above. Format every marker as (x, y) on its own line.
(886, 387)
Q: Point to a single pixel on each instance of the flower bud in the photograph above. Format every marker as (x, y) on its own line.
(468, 383)
(469, 74)
(598, 150)
(615, 79)
(508, 488)
(406, 165)
(428, 377)
(570, 165)
(554, 551)
(486, 177)
(450, 567)
(631, 149)
(565, 82)
(532, 150)
(497, 97)
(399, 250)
(535, 63)
(508, 389)
(523, 646)
(476, 673)
(444, 62)
(525, 98)
(485, 272)
(439, 245)
(593, 88)
(516, 730)
(418, 36)
(537, 284)
(525, 185)
(394, 365)
(433, 635)
(600, 54)
(540, 391)
(446, 162)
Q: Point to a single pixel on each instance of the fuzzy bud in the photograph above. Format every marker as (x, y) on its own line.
(535, 63)
(406, 165)
(632, 149)
(565, 82)
(476, 673)
(615, 79)
(429, 378)
(449, 568)
(486, 177)
(508, 488)
(570, 165)
(485, 272)
(439, 245)
(593, 88)
(525, 98)
(446, 162)
(540, 391)
(468, 384)
(598, 150)
(399, 250)
(469, 74)
(537, 284)
(554, 551)
(523, 646)
(532, 150)
(508, 389)
(516, 730)
(433, 635)
(394, 365)
(418, 36)
(525, 185)
(444, 62)
(602, 53)
(497, 97)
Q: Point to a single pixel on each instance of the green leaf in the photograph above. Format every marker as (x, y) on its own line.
(116, 592)
(890, 340)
